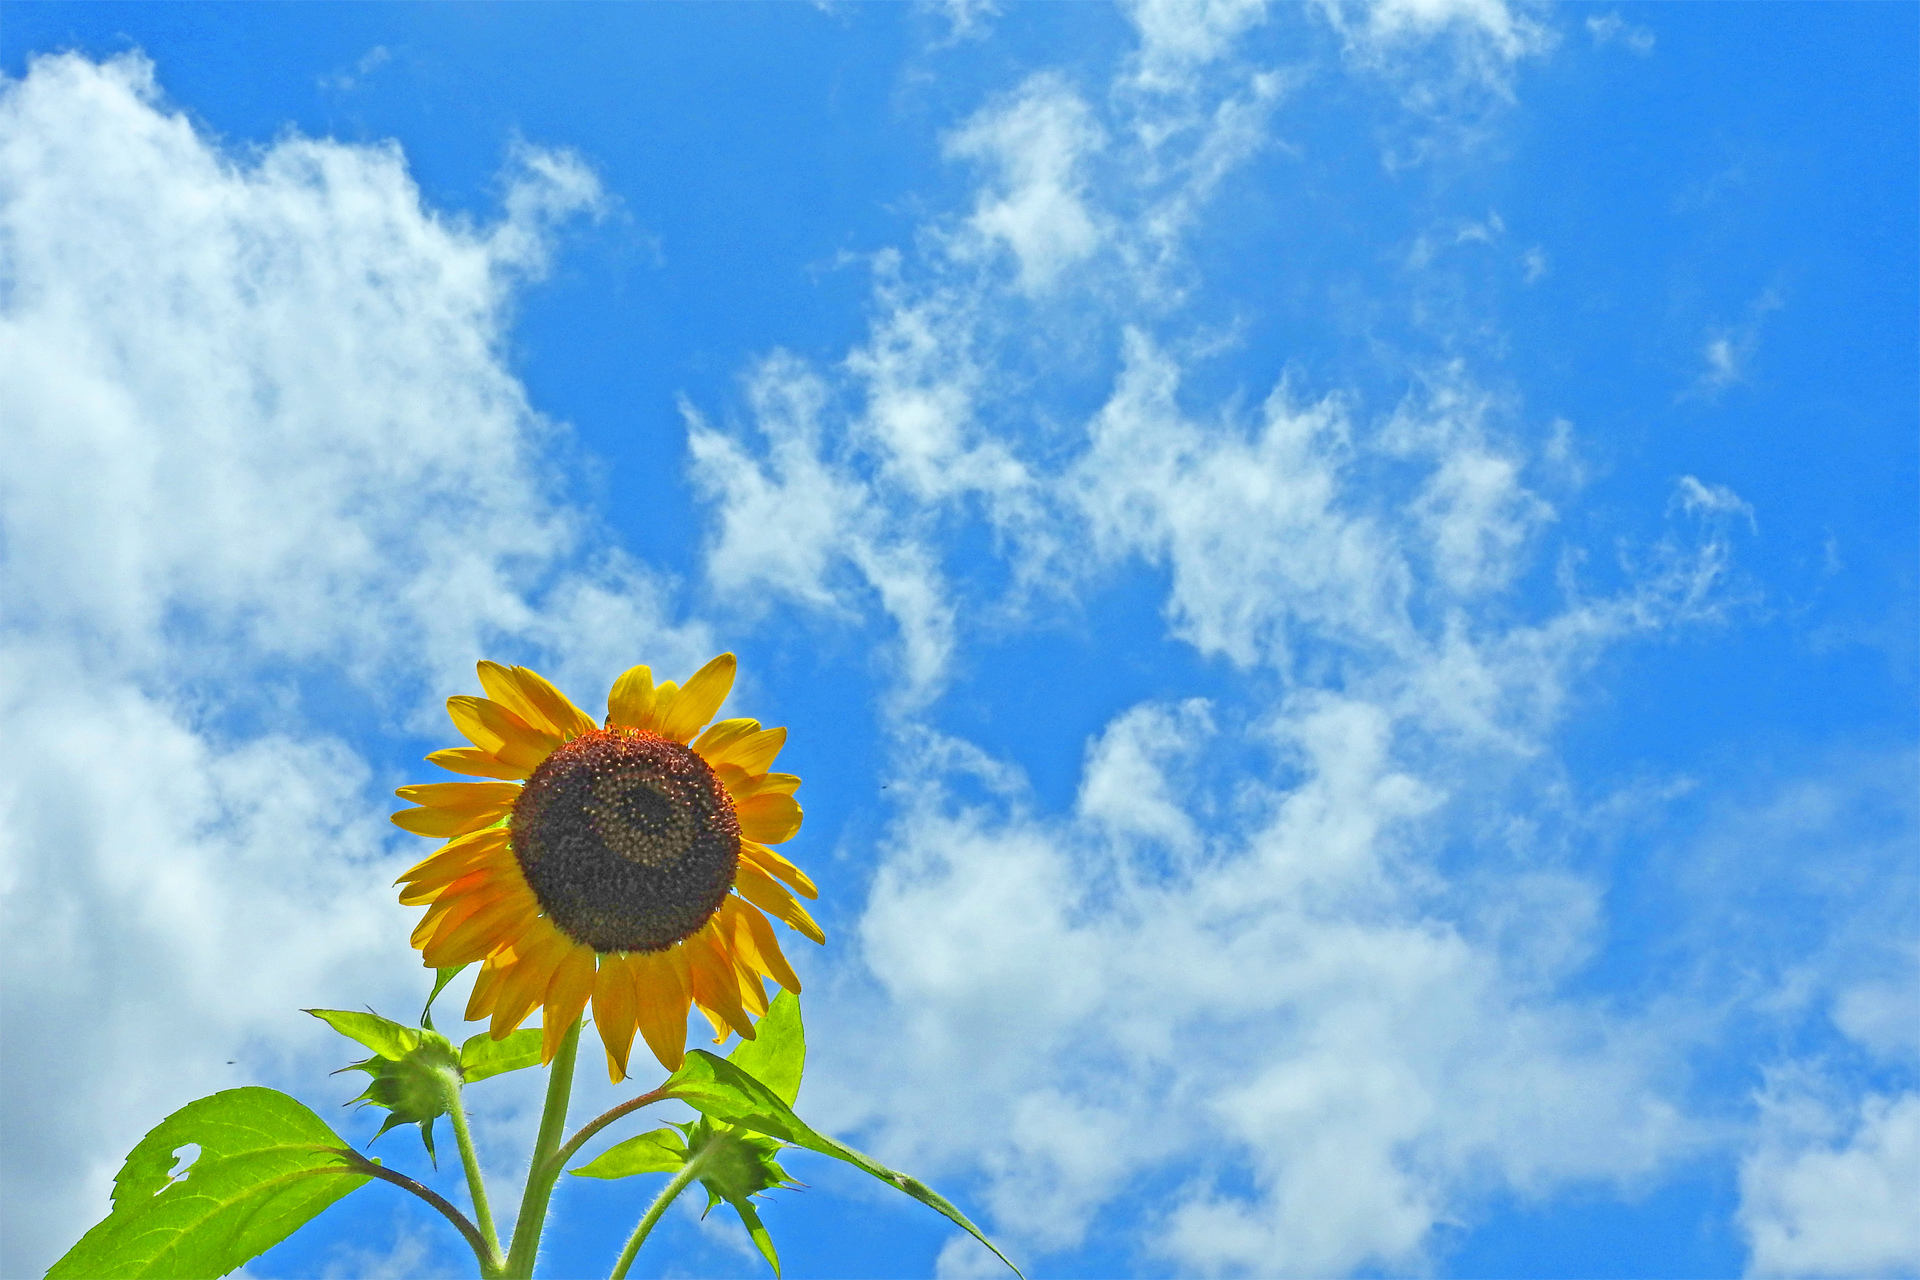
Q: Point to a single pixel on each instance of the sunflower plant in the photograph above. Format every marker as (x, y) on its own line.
(619, 872)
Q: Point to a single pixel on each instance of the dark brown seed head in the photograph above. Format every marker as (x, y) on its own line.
(628, 840)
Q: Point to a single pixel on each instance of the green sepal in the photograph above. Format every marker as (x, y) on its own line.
(267, 1166)
(720, 1090)
(736, 1164)
(482, 1056)
(416, 1072)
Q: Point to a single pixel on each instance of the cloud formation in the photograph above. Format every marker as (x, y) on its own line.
(264, 464)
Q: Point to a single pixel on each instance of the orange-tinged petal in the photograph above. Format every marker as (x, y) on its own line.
(768, 894)
(437, 823)
(554, 706)
(567, 995)
(497, 679)
(661, 994)
(487, 986)
(422, 891)
(615, 1012)
(459, 795)
(463, 851)
(495, 729)
(778, 867)
(526, 984)
(478, 763)
(697, 700)
(459, 908)
(715, 989)
(760, 945)
(500, 921)
(630, 703)
(769, 818)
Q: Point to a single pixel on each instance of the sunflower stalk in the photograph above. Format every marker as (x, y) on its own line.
(543, 1172)
(668, 1194)
(491, 1259)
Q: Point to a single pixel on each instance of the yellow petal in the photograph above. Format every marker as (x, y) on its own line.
(497, 679)
(459, 795)
(487, 986)
(554, 706)
(769, 818)
(630, 704)
(772, 897)
(463, 851)
(778, 867)
(615, 1012)
(567, 995)
(422, 891)
(450, 822)
(448, 908)
(495, 729)
(721, 734)
(696, 702)
(742, 785)
(478, 763)
(760, 947)
(715, 989)
(526, 983)
(499, 921)
(661, 994)
(753, 752)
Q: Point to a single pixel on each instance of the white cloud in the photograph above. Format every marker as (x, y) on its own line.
(1611, 28)
(263, 461)
(1710, 500)
(1729, 350)
(1035, 145)
(1833, 1194)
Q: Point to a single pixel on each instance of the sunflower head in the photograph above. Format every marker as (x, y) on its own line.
(626, 864)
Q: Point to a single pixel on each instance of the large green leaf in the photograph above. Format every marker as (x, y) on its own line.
(777, 1055)
(266, 1166)
(718, 1088)
(482, 1056)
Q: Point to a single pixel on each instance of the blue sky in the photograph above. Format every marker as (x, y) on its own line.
(1342, 577)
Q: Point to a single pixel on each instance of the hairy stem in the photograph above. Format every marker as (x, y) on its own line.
(542, 1172)
(601, 1121)
(491, 1264)
(668, 1194)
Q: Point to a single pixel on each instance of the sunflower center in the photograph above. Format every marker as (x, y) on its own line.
(628, 840)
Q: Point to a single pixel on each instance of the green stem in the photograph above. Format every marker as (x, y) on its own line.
(459, 1220)
(543, 1172)
(668, 1194)
(491, 1264)
(601, 1121)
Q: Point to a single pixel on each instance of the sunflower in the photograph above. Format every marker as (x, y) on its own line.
(624, 864)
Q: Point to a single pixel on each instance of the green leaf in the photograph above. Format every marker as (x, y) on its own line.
(266, 1166)
(718, 1088)
(482, 1056)
(384, 1036)
(661, 1151)
(440, 980)
(777, 1055)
